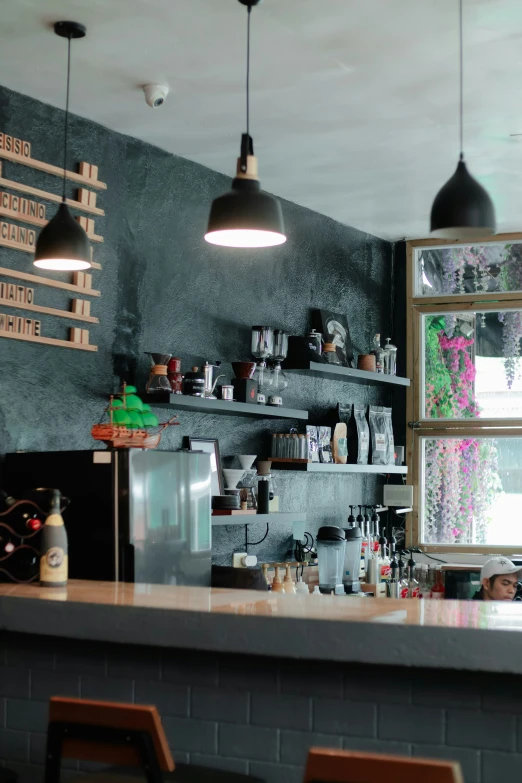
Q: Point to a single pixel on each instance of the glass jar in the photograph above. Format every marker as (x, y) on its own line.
(330, 354)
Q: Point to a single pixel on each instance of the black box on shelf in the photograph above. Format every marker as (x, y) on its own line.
(245, 390)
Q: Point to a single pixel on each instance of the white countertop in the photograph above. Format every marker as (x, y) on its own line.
(473, 635)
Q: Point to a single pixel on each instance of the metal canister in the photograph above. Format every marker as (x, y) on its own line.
(315, 341)
(227, 393)
(392, 590)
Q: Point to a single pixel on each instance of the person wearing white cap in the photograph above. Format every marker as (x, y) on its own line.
(498, 580)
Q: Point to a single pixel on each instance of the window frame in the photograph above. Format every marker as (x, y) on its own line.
(417, 428)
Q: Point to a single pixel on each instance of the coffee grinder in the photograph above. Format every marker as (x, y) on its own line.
(279, 379)
(262, 348)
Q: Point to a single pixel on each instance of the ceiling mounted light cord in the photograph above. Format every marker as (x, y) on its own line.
(246, 216)
(462, 209)
(461, 83)
(66, 122)
(248, 73)
(63, 245)
(247, 144)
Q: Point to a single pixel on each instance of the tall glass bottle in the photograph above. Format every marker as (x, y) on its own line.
(54, 560)
(378, 353)
(413, 585)
(438, 591)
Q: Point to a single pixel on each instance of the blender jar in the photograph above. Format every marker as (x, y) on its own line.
(352, 560)
(331, 544)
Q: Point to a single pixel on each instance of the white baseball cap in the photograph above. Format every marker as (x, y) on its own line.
(498, 565)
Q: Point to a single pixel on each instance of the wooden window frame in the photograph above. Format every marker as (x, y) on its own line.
(416, 307)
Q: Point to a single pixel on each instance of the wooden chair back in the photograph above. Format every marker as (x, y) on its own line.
(111, 715)
(326, 765)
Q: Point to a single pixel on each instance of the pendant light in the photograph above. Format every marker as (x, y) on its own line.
(462, 208)
(62, 244)
(246, 216)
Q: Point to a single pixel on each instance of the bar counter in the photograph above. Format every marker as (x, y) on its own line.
(472, 636)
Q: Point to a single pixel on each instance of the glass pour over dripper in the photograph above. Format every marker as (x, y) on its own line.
(158, 382)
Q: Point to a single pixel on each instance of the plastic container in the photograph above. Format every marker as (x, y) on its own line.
(437, 590)
(352, 560)
(331, 546)
(301, 587)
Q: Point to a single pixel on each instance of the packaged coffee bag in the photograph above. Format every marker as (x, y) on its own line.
(379, 434)
(390, 445)
(313, 446)
(324, 440)
(358, 432)
(340, 444)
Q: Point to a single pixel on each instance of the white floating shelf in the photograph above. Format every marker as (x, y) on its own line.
(347, 374)
(222, 407)
(321, 467)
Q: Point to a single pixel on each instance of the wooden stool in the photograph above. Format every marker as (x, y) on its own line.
(345, 766)
(129, 736)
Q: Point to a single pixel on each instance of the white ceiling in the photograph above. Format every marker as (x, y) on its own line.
(354, 102)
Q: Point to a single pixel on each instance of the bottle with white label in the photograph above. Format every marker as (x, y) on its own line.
(54, 561)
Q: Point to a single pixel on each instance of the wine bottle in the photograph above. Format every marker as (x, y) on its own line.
(54, 559)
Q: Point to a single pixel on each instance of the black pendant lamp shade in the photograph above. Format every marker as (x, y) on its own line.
(246, 216)
(462, 208)
(62, 244)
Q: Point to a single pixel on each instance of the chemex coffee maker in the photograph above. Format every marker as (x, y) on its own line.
(158, 382)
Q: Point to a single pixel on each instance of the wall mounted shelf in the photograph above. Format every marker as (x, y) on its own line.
(347, 374)
(322, 467)
(250, 519)
(223, 407)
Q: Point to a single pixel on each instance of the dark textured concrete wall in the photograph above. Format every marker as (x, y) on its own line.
(163, 288)
(261, 715)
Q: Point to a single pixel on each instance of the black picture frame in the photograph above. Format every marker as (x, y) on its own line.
(336, 325)
(209, 446)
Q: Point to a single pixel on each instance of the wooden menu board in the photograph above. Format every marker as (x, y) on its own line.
(29, 212)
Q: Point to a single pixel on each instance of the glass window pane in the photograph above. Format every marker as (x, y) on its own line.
(471, 491)
(472, 365)
(468, 269)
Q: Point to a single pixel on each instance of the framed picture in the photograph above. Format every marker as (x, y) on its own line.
(210, 446)
(334, 328)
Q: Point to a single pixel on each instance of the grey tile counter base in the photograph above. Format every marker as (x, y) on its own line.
(199, 712)
(327, 640)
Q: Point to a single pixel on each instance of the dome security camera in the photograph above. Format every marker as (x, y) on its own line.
(155, 94)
